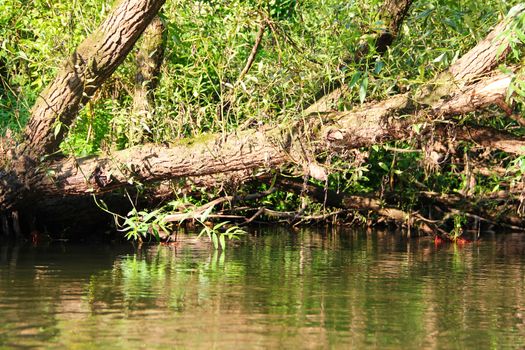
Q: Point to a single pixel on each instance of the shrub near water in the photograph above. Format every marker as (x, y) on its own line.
(208, 43)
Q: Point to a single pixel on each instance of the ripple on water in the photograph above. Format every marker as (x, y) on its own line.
(279, 290)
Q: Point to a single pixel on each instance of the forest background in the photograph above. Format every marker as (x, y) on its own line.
(226, 67)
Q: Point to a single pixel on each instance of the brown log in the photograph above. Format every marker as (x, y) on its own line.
(215, 154)
(251, 149)
(484, 56)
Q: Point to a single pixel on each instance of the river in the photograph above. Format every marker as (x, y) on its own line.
(274, 288)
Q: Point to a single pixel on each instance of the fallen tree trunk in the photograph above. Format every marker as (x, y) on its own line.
(147, 163)
(394, 117)
(250, 149)
(370, 124)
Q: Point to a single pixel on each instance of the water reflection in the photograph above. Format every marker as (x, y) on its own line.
(275, 289)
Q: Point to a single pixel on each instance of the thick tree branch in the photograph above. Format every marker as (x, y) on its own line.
(91, 64)
(378, 122)
(488, 138)
(146, 163)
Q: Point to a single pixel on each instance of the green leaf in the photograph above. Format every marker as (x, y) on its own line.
(439, 58)
(214, 240)
(222, 241)
(57, 129)
(383, 166)
(425, 13)
(219, 225)
(378, 67)
(148, 216)
(205, 230)
(355, 79)
(362, 89)
(417, 127)
(206, 213)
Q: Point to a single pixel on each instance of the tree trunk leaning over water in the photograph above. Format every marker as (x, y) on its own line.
(83, 73)
(252, 149)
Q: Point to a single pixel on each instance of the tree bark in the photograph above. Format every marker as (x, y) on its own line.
(382, 121)
(149, 59)
(147, 163)
(83, 73)
(393, 13)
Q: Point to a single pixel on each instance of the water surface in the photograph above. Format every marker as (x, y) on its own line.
(275, 289)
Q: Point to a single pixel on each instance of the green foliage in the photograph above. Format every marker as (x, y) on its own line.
(144, 224)
(215, 233)
(307, 49)
(459, 222)
(35, 36)
(282, 9)
(218, 237)
(208, 44)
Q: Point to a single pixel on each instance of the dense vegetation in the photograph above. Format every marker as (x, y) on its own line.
(307, 49)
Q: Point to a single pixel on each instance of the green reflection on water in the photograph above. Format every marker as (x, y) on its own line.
(275, 289)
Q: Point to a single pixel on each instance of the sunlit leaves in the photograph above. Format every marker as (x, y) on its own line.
(363, 89)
